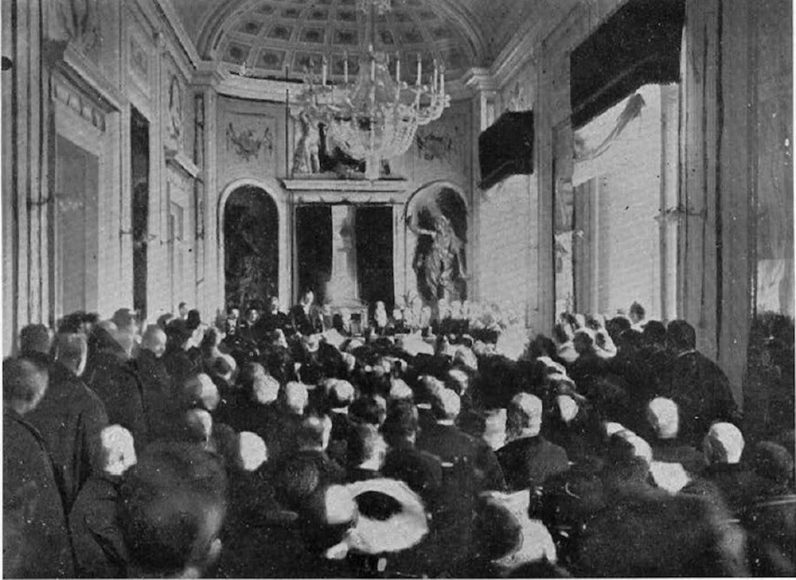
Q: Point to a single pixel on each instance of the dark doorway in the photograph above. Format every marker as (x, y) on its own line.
(251, 247)
(314, 248)
(139, 176)
(374, 254)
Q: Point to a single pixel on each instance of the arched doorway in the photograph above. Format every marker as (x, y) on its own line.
(251, 247)
(437, 216)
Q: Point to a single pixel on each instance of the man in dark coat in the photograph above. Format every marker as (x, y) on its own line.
(97, 539)
(272, 320)
(179, 364)
(674, 462)
(420, 470)
(726, 480)
(442, 438)
(158, 394)
(528, 459)
(771, 520)
(645, 531)
(303, 316)
(697, 384)
(70, 417)
(35, 538)
(117, 383)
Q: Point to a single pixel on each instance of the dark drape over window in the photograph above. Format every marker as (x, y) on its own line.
(506, 148)
(638, 45)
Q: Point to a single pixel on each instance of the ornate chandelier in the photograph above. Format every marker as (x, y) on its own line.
(374, 117)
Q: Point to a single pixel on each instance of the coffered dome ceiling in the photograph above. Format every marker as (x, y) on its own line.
(270, 36)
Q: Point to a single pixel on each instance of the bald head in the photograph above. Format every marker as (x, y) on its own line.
(200, 391)
(663, 417)
(154, 340)
(524, 415)
(724, 443)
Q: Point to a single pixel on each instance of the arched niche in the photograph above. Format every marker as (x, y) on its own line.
(436, 217)
(261, 233)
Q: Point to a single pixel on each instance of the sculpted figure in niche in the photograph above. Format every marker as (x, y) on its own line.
(306, 157)
(439, 261)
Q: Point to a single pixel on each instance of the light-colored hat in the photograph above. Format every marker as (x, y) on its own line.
(400, 531)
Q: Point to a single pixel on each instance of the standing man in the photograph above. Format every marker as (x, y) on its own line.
(304, 317)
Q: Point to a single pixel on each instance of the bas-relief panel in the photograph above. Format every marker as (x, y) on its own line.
(249, 139)
(442, 148)
(517, 93)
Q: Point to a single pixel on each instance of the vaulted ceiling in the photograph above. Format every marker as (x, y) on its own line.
(270, 36)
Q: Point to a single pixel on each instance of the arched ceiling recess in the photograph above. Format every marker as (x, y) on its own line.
(270, 36)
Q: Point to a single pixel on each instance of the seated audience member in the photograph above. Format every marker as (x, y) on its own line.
(725, 480)
(563, 337)
(339, 396)
(654, 532)
(69, 417)
(507, 543)
(171, 509)
(771, 519)
(637, 315)
(673, 463)
(697, 384)
(365, 453)
(222, 371)
(528, 459)
(571, 424)
(35, 340)
(199, 391)
(253, 405)
(158, 394)
(115, 379)
(96, 537)
(35, 537)
(247, 327)
(231, 321)
(420, 470)
(313, 440)
(442, 438)
(371, 409)
(274, 319)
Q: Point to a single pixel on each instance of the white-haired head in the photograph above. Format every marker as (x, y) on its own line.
(265, 389)
(663, 417)
(399, 390)
(524, 416)
(296, 397)
(567, 407)
(117, 450)
(446, 405)
(724, 443)
(253, 452)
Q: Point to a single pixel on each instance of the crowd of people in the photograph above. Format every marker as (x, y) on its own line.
(421, 443)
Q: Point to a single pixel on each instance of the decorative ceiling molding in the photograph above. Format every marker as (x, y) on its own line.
(270, 36)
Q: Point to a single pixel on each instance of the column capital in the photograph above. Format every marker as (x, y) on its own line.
(480, 80)
(207, 75)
